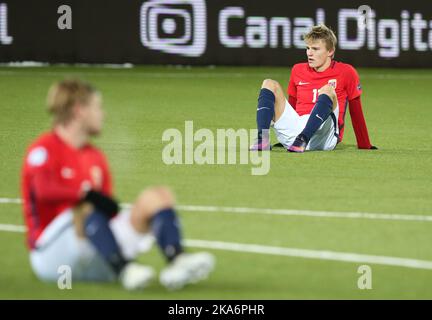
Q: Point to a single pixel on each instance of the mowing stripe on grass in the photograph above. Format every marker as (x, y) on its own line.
(289, 252)
(48, 72)
(286, 212)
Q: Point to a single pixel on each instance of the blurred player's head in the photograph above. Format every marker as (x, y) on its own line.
(320, 47)
(75, 101)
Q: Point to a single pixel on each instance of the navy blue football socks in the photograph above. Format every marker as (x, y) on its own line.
(166, 229)
(265, 111)
(99, 233)
(321, 111)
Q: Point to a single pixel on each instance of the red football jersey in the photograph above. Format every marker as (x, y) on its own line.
(305, 82)
(54, 175)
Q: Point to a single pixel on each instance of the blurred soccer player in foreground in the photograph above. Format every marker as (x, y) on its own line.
(72, 217)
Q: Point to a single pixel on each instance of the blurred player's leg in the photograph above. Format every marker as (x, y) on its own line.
(271, 104)
(323, 108)
(153, 210)
(98, 231)
(65, 243)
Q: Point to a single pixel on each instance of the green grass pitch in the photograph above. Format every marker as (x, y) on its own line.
(142, 102)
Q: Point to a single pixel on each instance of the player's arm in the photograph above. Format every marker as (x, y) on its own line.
(292, 90)
(356, 111)
(100, 196)
(41, 169)
(47, 188)
(103, 199)
(359, 124)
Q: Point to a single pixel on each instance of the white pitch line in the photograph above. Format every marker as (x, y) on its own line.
(311, 254)
(12, 228)
(8, 200)
(308, 213)
(284, 212)
(289, 252)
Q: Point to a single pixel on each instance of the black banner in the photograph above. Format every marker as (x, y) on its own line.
(212, 32)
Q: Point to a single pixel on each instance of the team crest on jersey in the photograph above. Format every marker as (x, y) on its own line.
(67, 173)
(333, 83)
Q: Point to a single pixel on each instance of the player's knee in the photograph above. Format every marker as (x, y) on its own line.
(167, 196)
(271, 85)
(154, 199)
(329, 91)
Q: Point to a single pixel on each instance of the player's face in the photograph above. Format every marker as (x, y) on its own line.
(93, 115)
(319, 57)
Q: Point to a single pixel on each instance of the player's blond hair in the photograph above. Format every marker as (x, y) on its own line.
(322, 32)
(64, 95)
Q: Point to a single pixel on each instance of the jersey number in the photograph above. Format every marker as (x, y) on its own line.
(315, 95)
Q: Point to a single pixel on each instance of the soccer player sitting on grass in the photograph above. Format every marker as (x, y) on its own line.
(72, 218)
(318, 93)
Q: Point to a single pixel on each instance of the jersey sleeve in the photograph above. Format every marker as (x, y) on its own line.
(292, 89)
(40, 167)
(353, 86)
(359, 124)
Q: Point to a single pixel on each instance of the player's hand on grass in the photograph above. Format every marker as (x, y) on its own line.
(370, 147)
